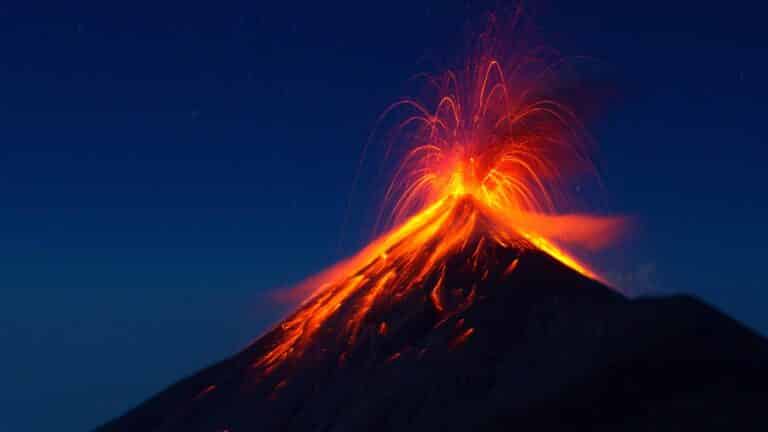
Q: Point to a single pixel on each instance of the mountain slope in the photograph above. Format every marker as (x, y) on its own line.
(539, 345)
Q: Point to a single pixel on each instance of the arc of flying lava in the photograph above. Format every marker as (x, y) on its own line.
(487, 165)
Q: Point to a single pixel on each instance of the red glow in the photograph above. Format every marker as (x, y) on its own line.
(462, 337)
(205, 391)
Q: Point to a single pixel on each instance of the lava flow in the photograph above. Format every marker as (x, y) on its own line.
(489, 165)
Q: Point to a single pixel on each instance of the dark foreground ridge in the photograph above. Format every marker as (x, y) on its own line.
(540, 348)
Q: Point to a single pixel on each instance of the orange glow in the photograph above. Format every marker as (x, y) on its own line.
(512, 266)
(462, 337)
(487, 167)
(205, 391)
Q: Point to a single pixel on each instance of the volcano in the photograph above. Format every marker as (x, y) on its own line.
(469, 313)
(476, 331)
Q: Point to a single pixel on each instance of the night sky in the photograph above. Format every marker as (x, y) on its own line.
(164, 165)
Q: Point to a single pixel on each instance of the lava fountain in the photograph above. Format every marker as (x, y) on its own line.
(489, 163)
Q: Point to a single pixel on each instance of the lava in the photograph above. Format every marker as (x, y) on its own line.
(488, 164)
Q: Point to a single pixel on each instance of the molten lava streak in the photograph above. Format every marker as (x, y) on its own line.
(487, 166)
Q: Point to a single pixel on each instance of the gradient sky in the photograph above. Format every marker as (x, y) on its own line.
(164, 164)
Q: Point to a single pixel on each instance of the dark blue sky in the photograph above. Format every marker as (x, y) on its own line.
(164, 164)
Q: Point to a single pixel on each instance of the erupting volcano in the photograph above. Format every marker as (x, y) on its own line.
(486, 169)
(470, 312)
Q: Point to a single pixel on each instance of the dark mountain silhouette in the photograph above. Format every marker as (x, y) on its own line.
(539, 347)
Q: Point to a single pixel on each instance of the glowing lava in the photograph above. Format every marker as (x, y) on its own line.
(487, 166)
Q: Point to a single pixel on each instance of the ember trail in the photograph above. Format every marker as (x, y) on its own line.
(488, 167)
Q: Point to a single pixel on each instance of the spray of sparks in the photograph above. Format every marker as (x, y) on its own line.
(488, 163)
